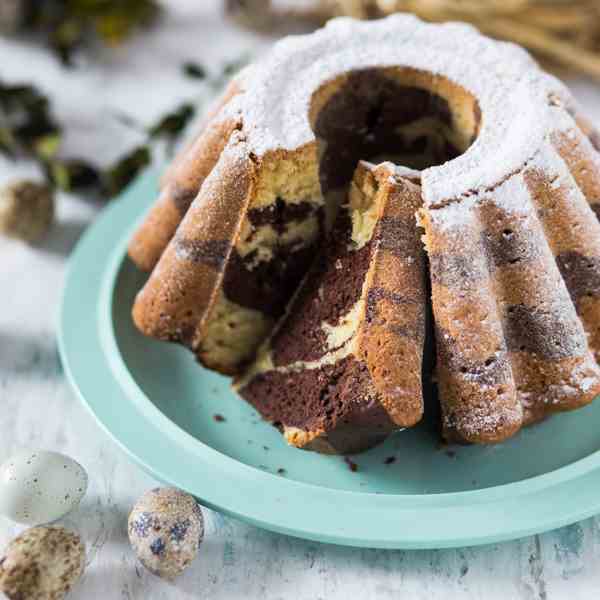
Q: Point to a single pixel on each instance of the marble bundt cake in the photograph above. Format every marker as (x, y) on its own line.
(351, 342)
(510, 184)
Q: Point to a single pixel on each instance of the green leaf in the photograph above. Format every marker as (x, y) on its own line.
(71, 175)
(47, 146)
(194, 70)
(173, 123)
(70, 24)
(58, 175)
(124, 171)
(25, 120)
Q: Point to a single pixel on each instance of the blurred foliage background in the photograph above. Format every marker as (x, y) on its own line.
(67, 25)
(563, 35)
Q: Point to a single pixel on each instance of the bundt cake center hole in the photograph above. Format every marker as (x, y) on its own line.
(402, 115)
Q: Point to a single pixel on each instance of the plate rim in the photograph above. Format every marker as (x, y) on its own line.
(524, 507)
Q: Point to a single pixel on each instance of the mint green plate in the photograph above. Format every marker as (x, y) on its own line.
(159, 405)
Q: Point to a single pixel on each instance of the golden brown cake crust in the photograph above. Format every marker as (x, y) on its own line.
(508, 210)
(391, 337)
(508, 283)
(181, 184)
(175, 301)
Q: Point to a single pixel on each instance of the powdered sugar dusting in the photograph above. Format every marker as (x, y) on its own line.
(480, 421)
(548, 161)
(582, 381)
(513, 196)
(511, 90)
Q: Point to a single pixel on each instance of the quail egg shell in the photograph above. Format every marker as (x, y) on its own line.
(166, 528)
(43, 563)
(39, 487)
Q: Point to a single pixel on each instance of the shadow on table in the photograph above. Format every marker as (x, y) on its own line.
(62, 237)
(278, 565)
(27, 354)
(240, 561)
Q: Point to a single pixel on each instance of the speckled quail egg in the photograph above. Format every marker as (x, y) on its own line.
(166, 528)
(26, 209)
(39, 487)
(43, 563)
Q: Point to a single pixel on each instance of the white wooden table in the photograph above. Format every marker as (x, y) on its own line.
(38, 409)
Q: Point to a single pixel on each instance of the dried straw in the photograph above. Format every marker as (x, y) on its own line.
(563, 34)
